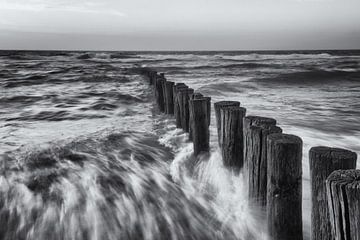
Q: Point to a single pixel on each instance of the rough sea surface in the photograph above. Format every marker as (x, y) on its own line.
(85, 153)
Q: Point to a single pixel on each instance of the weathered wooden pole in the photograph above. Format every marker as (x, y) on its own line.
(256, 130)
(163, 83)
(176, 88)
(323, 161)
(183, 100)
(217, 107)
(232, 136)
(155, 88)
(195, 95)
(208, 100)
(159, 93)
(157, 80)
(152, 77)
(254, 121)
(284, 213)
(169, 99)
(343, 194)
(199, 108)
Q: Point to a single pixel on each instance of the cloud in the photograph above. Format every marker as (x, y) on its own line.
(91, 7)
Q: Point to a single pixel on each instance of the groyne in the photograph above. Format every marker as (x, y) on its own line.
(272, 162)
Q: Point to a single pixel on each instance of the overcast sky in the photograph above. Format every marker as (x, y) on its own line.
(179, 24)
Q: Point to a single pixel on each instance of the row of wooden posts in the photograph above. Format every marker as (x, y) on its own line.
(272, 162)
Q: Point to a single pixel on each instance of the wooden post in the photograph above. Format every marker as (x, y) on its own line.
(208, 99)
(323, 161)
(163, 83)
(177, 87)
(217, 107)
(284, 213)
(196, 95)
(199, 108)
(152, 77)
(183, 100)
(169, 100)
(155, 86)
(254, 121)
(193, 96)
(343, 194)
(232, 136)
(256, 130)
(159, 93)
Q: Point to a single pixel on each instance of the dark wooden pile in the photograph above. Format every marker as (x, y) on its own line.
(272, 164)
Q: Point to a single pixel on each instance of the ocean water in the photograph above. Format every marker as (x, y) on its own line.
(85, 153)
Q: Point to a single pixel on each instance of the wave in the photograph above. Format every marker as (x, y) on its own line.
(101, 78)
(105, 56)
(113, 187)
(93, 56)
(112, 94)
(85, 56)
(35, 79)
(311, 77)
(274, 56)
(223, 88)
(27, 99)
(221, 66)
(32, 55)
(60, 115)
(122, 55)
(5, 73)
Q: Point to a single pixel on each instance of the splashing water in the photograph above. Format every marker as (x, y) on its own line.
(85, 154)
(119, 187)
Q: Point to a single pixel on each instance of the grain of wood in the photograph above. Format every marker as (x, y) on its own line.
(284, 206)
(343, 194)
(169, 99)
(183, 96)
(217, 107)
(256, 130)
(232, 136)
(176, 88)
(195, 95)
(199, 108)
(323, 161)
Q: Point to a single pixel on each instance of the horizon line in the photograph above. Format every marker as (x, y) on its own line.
(235, 50)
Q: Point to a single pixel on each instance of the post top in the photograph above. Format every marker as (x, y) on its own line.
(351, 178)
(207, 98)
(177, 87)
(197, 95)
(233, 109)
(274, 129)
(333, 153)
(258, 120)
(203, 99)
(227, 103)
(187, 90)
(284, 138)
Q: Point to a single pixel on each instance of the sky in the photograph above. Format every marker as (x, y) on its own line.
(179, 24)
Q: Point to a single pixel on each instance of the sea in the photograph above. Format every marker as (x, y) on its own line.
(86, 154)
